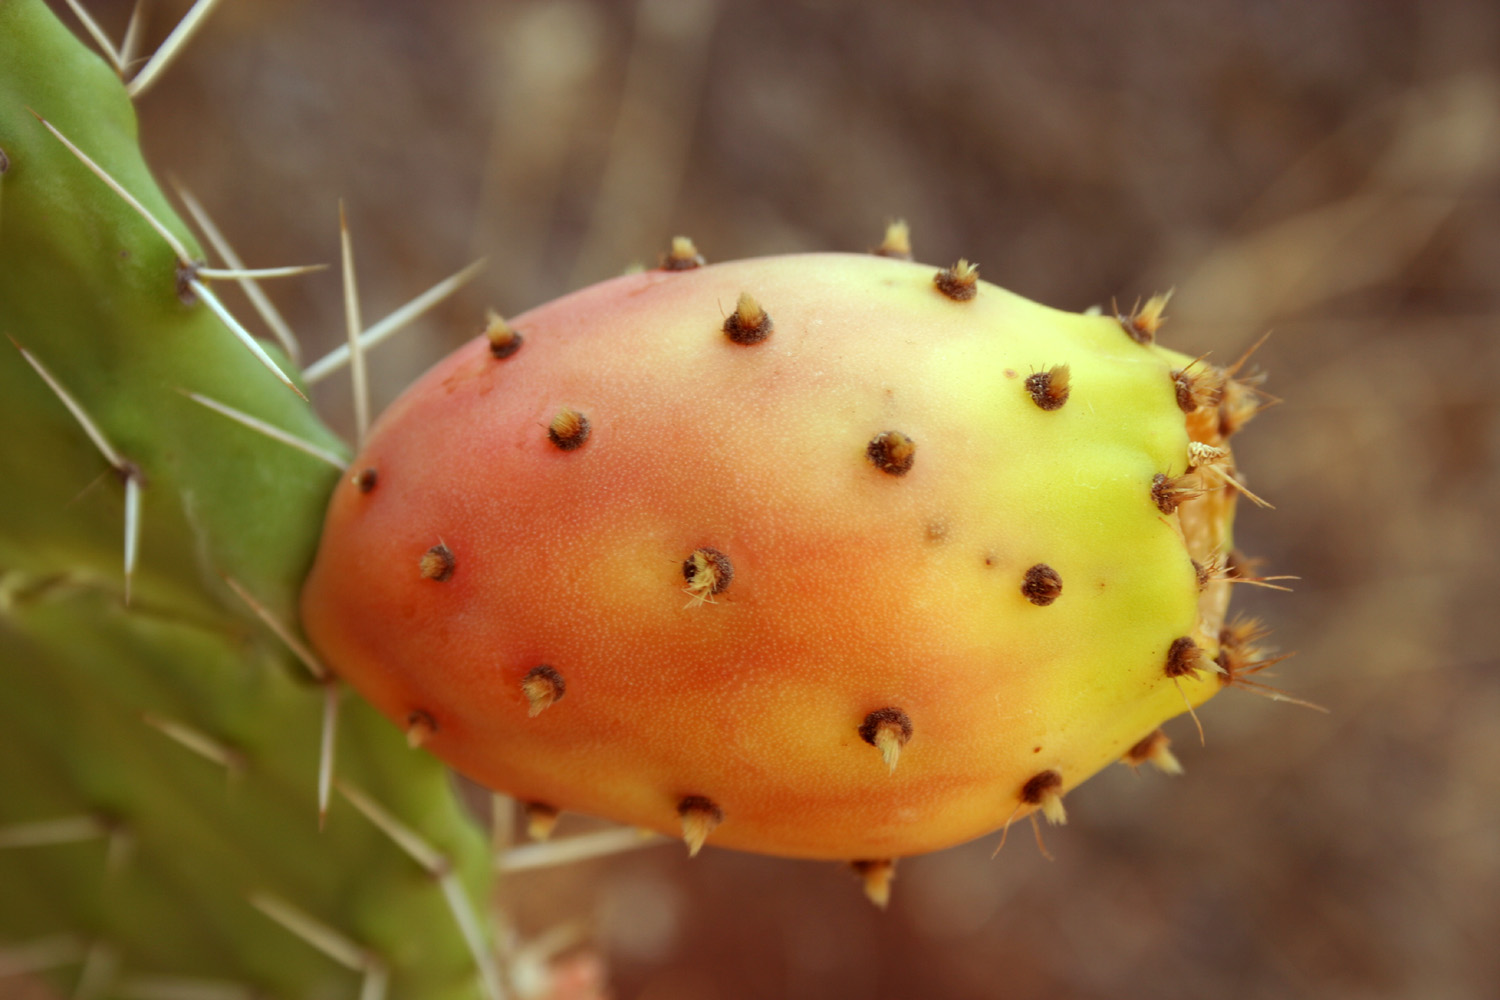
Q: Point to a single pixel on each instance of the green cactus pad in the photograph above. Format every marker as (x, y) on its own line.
(104, 703)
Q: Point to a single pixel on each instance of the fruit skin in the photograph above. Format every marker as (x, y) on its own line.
(854, 589)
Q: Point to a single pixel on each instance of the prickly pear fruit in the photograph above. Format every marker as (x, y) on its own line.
(825, 556)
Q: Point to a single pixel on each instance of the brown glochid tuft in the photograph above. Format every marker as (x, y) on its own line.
(1240, 400)
(568, 430)
(1038, 786)
(1154, 749)
(708, 573)
(543, 687)
(1239, 643)
(1169, 493)
(437, 563)
(1044, 789)
(959, 282)
(1049, 388)
(699, 815)
(420, 727)
(1205, 572)
(1042, 585)
(897, 241)
(1183, 658)
(887, 730)
(749, 323)
(541, 819)
(504, 339)
(1182, 384)
(892, 452)
(877, 876)
(366, 480)
(683, 256)
(1144, 320)
(1197, 389)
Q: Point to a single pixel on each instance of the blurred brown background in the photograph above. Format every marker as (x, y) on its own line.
(1327, 169)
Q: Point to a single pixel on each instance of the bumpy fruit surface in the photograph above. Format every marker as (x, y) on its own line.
(824, 556)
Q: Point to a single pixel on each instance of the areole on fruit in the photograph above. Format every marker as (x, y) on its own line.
(872, 509)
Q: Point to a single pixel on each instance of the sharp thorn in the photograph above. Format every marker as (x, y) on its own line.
(184, 259)
(261, 427)
(163, 56)
(314, 932)
(263, 305)
(404, 837)
(440, 868)
(1202, 740)
(131, 44)
(311, 662)
(128, 472)
(42, 833)
(468, 925)
(352, 327)
(1239, 363)
(328, 746)
(132, 526)
(89, 427)
(1041, 844)
(209, 299)
(198, 742)
(258, 273)
(571, 850)
(97, 34)
(1005, 831)
(339, 356)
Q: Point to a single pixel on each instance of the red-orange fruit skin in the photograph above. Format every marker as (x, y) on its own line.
(852, 591)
